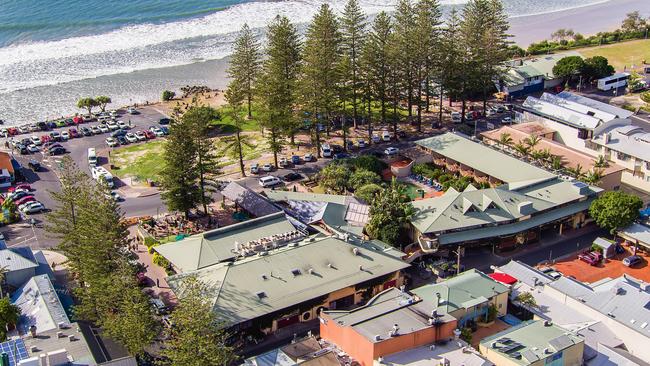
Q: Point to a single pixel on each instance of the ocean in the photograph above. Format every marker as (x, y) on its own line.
(55, 51)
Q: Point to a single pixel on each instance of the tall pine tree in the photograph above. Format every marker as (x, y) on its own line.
(245, 64)
(353, 30)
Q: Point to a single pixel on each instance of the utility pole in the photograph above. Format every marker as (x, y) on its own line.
(459, 252)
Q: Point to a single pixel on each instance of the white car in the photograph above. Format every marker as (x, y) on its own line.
(122, 125)
(36, 140)
(33, 148)
(267, 167)
(114, 196)
(308, 157)
(269, 181)
(140, 136)
(130, 137)
(112, 126)
(391, 151)
(111, 142)
(35, 208)
(385, 136)
(361, 143)
(375, 139)
(255, 168)
(23, 128)
(33, 127)
(506, 120)
(157, 131)
(103, 128)
(490, 112)
(131, 110)
(456, 117)
(65, 135)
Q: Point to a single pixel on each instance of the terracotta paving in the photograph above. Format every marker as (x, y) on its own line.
(612, 268)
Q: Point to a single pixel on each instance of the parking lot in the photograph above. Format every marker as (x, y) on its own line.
(612, 268)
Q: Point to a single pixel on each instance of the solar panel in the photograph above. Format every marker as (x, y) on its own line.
(15, 349)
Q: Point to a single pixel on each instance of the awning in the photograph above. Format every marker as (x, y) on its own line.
(503, 278)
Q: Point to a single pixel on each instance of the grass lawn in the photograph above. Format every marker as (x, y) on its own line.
(411, 190)
(227, 124)
(143, 161)
(621, 54)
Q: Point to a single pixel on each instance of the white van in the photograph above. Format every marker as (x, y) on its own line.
(92, 157)
(326, 150)
(100, 173)
(385, 136)
(269, 181)
(456, 117)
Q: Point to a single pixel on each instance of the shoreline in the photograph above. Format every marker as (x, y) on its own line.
(52, 101)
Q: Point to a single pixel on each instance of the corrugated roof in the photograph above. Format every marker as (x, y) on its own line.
(203, 250)
(17, 258)
(249, 200)
(39, 305)
(485, 159)
(635, 144)
(464, 288)
(525, 273)
(259, 285)
(569, 103)
(560, 114)
(638, 232)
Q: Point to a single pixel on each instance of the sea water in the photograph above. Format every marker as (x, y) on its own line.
(55, 51)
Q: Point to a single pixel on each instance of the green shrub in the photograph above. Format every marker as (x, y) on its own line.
(149, 242)
(369, 162)
(161, 261)
(645, 96)
(368, 192)
(363, 177)
(466, 335)
(168, 95)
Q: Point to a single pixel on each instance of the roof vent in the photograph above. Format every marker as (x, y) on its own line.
(548, 323)
(261, 294)
(377, 338)
(330, 265)
(355, 251)
(264, 277)
(360, 268)
(263, 253)
(310, 271)
(609, 314)
(295, 272)
(525, 208)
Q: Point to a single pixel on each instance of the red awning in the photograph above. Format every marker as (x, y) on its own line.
(503, 278)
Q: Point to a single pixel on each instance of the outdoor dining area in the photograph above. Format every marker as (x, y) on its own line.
(177, 225)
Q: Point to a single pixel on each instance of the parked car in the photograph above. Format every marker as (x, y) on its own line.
(308, 157)
(456, 117)
(255, 168)
(111, 142)
(588, 258)
(375, 139)
(36, 140)
(292, 177)
(32, 209)
(132, 110)
(121, 140)
(34, 165)
(33, 148)
(103, 128)
(295, 159)
(112, 125)
(95, 130)
(55, 136)
(122, 125)
(361, 143)
(65, 135)
(159, 307)
(164, 130)
(157, 131)
(140, 136)
(149, 135)
(73, 132)
(269, 181)
(284, 162)
(267, 167)
(24, 199)
(164, 121)
(85, 131)
(57, 150)
(22, 186)
(46, 138)
(506, 120)
(341, 155)
(131, 137)
(385, 136)
(632, 260)
(18, 195)
(391, 151)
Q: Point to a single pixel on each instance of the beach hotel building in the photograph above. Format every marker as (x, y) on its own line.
(524, 203)
(611, 174)
(531, 75)
(267, 274)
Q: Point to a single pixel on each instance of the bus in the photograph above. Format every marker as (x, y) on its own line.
(613, 82)
(100, 173)
(92, 157)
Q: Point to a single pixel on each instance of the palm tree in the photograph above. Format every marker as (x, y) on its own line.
(594, 176)
(521, 149)
(233, 147)
(577, 171)
(601, 162)
(556, 162)
(532, 141)
(505, 139)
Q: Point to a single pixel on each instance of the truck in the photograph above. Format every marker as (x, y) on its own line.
(92, 157)
(100, 173)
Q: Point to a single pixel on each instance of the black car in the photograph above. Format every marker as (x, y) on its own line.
(292, 177)
(42, 126)
(86, 131)
(26, 141)
(121, 139)
(164, 121)
(58, 150)
(22, 149)
(34, 165)
(117, 133)
(51, 125)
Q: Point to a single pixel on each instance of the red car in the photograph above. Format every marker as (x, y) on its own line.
(25, 199)
(24, 186)
(150, 135)
(588, 258)
(77, 120)
(73, 133)
(46, 138)
(12, 131)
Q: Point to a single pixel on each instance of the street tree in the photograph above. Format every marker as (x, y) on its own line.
(405, 28)
(568, 67)
(87, 103)
(233, 146)
(321, 70)
(427, 22)
(377, 63)
(353, 32)
(362, 177)
(197, 338)
(335, 178)
(245, 64)
(634, 22)
(596, 67)
(389, 211)
(102, 102)
(615, 210)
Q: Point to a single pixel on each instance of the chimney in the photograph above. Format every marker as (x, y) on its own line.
(525, 208)
(437, 299)
(607, 136)
(43, 359)
(32, 331)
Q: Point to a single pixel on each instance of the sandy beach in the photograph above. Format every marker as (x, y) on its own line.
(586, 20)
(53, 101)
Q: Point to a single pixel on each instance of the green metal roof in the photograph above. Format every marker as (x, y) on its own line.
(485, 159)
(468, 289)
(211, 247)
(256, 286)
(535, 337)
